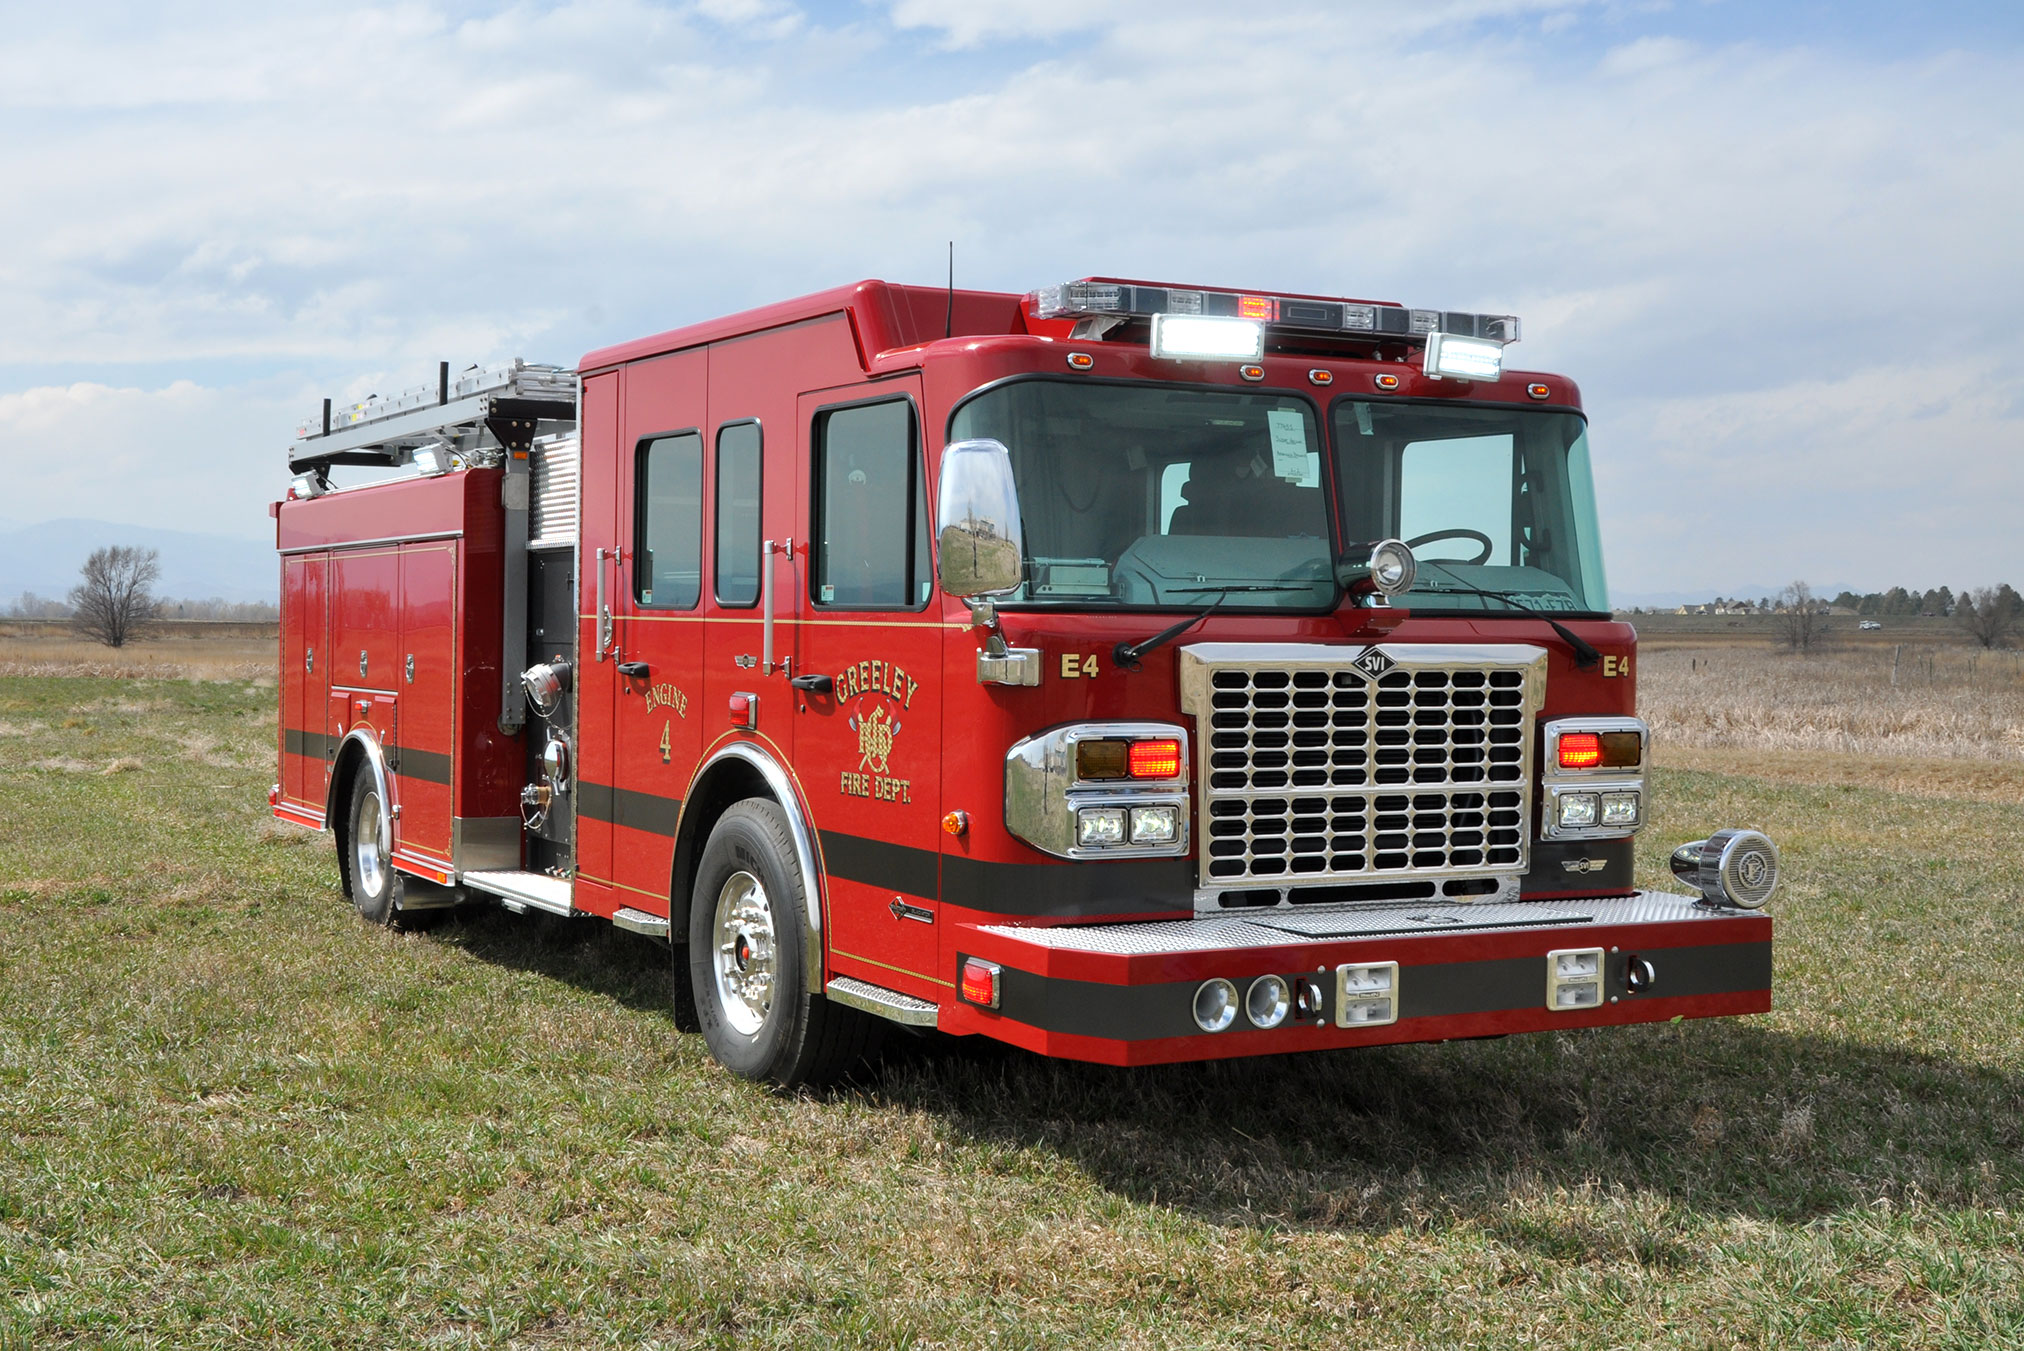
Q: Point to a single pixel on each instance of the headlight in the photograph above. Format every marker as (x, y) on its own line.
(1577, 810)
(1619, 809)
(1155, 825)
(1096, 827)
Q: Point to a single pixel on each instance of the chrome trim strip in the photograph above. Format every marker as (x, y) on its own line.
(876, 999)
(783, 792)
(351, 544)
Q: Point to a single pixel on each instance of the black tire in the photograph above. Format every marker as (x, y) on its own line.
(370, 878)
(789, 1037)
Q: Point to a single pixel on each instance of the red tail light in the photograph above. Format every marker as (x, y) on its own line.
(1160, 759)
(1580, 750)
(980, 983)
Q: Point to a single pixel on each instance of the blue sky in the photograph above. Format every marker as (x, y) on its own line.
(1777, 245)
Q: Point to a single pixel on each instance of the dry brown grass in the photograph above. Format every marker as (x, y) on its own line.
(1951, 726)
(248, 659)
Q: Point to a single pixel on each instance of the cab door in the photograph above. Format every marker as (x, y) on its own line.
(868, 748)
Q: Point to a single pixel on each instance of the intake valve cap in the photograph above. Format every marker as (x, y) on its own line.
(1730, 867)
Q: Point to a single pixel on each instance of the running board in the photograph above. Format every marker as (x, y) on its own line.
(523, 891)
(640, 922)
(900, 1008)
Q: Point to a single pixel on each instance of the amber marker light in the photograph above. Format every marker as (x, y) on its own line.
(1539, 391)
(956, 823)
(1320, 377)
(1580, 750)
(1080, 361)
(1157, 759)
(1252, 373)
(1386, 382)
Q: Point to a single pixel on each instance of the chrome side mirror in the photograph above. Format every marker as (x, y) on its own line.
(977, 528)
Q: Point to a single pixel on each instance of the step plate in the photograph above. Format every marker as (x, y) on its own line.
(536, 889)
(900, 1008)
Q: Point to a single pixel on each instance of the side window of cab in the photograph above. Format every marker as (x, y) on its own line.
(871, 514)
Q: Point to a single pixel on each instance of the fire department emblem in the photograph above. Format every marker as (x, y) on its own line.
(875, 732)
(1374, 663)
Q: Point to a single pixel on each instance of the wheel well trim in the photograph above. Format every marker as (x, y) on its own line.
(376, 760)
(781, 786)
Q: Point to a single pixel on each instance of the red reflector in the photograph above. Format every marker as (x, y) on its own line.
(1257, 307)
(1155, 759)
(1580, 750)
(980, 983)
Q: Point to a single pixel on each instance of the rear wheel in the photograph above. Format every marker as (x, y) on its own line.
(748, 962)
(367, 861)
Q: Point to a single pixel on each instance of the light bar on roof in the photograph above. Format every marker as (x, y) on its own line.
(1123, 299)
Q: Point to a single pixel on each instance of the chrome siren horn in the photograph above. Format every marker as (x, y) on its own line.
(1730, 867)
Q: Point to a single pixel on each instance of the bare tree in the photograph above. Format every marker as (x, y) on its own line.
(1987, 615)
(116, 598)
(1797, 620)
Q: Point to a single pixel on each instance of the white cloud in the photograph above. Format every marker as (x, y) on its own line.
(1703, 236)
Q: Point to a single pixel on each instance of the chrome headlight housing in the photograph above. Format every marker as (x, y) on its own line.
(1593, 776)
(1101, 790)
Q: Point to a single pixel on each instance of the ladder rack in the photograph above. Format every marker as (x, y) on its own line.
(512, 403)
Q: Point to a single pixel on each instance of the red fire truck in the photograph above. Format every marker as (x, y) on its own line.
(1129, 672)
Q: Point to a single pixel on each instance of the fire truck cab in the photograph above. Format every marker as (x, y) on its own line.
(1128, 672)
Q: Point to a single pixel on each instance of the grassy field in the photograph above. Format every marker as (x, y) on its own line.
(231, 1115)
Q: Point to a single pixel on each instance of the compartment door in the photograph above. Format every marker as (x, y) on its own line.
(427, 679)
(305, 658)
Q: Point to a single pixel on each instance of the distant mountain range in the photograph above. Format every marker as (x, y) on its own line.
(45, 558)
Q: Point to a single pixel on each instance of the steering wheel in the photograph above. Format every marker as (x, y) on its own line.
(1433, 536)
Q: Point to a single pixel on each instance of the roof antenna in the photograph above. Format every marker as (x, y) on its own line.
(949, 319)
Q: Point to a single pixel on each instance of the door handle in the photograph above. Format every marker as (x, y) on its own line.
(814, 684)
(603, 610)
(633, 670)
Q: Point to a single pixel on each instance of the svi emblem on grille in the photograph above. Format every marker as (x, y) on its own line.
(1374, 663)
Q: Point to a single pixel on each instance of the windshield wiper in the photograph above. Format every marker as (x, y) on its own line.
(1126, 655)
(1585, 656)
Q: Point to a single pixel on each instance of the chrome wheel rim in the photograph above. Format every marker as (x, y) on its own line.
(745, 952)
(371, 848)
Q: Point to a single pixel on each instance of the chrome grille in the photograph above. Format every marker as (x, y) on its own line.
(1312, 771)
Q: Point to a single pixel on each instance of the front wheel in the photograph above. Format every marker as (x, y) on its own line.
(748, 961)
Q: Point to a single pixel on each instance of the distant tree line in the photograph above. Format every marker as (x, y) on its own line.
(28, 605)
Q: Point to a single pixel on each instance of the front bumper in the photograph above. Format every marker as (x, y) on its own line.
(1123, 994)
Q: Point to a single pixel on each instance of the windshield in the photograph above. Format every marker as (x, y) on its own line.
(1490, 499)
(1148, 496)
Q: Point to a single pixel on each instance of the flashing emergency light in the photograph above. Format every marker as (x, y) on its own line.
(1580, 750)
(1453, 358)
(1096, 298)
(1192, 337)
(1158, 759)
